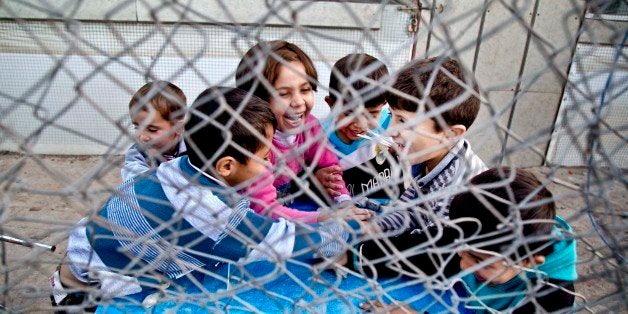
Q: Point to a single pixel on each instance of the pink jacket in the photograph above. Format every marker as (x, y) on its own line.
(310, 149)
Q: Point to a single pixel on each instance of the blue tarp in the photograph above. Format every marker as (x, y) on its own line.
(284, 287)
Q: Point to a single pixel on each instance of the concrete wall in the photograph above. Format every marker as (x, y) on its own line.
(592, 124)
(520, 55)
(520, 52)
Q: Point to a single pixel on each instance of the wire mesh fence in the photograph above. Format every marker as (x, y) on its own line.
(248, 220)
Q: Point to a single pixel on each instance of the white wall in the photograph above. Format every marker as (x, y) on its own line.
(82, 74)
(520, 54)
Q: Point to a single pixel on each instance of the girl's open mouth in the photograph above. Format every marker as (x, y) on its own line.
(294, 119)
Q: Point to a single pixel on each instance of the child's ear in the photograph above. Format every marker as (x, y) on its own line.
(179, 126)
(457, 130)
(538, 260)
(225, 166)
(178, 132)
(329, 102)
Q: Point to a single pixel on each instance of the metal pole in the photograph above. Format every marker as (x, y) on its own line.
(9, 239)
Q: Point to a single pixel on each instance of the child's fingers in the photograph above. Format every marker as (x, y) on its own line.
(328, 176)
(362, 214)
(333, 177)
(329, 170)
(337, 187)
(361, 218)
(331, 185)
(333, 192)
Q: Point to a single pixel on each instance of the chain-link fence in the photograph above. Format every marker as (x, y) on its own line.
(551, 79)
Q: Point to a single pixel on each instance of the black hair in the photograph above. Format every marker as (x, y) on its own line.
(353, 72)
(412, 81)
(226, 121)
(503, 203)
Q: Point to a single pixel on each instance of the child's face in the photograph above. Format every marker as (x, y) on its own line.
(254, 166)
(417, 139)
(350, 124)
(157, 134)
(495, 273)
(295, 97)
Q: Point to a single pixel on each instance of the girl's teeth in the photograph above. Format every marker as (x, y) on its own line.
(294, 117)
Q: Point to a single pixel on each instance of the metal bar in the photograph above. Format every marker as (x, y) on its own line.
(9, 239)
(415, 34)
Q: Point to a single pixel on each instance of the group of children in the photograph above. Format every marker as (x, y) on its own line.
(223, 181)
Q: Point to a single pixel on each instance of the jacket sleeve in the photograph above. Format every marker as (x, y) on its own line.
(412, 215)
(263, 195)
(134, 163)
(320, 155)
(409, 252)
(398, 220)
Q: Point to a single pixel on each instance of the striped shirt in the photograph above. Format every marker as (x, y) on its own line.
(137, 161)
(429, 196)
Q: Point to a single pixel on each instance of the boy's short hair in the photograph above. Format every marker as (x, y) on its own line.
(413, 80)
(226, 121)
(261, 64)
(166, 98)
(355, 73)
(504, 204)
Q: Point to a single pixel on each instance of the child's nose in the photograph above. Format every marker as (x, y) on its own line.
(466, 261)
(393, 129)
(360, 122)
(463, 262)
(297, 101)
(143, 137)
(359, 125)
(392, 132)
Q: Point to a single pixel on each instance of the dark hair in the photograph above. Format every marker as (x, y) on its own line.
(413, 80)
(350, 79)
(166, 98)
(224, 121)
(259, 68)
(521, 200)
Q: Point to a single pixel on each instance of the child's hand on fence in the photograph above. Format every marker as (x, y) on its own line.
(328, 178)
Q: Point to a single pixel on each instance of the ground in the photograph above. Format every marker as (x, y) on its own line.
(44, 195)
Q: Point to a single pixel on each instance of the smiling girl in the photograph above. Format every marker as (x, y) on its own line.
(282, 74)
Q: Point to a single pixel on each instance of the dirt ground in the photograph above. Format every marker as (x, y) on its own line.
(42, 196)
